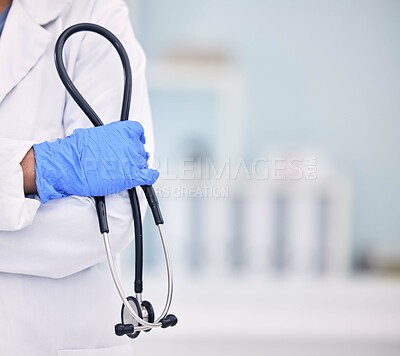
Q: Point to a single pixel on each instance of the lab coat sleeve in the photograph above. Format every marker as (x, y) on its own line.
(64, 236)
(18, 211)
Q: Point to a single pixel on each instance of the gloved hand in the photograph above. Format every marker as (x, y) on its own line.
(93, 162)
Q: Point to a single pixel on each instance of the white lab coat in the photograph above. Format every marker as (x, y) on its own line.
(56, 293)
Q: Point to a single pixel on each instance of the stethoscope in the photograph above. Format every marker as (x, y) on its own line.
(136, 314)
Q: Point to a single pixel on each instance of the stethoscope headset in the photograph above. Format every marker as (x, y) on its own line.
(136, 314)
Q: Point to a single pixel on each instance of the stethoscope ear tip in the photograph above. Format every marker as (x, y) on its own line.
(124, 329)
(168, 320)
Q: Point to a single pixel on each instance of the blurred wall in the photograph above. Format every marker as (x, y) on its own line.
(270, 78)
(321, 74)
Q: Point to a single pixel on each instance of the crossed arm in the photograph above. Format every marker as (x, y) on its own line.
(28, 169)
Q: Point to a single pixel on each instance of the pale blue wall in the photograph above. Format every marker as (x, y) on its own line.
(325, 73)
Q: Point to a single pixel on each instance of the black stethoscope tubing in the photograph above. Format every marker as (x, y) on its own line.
(164, 320)
(96, 121)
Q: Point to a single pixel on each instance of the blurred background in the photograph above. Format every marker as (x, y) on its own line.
(276, 126)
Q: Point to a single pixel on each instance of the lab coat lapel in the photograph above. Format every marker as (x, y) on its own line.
(22, 43)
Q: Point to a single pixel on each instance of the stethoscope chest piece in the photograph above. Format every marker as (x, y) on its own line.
(144, 310)
(127, 319)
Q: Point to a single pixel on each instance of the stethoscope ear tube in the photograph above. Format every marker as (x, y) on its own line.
(73, 91)
(153, 203)
(137, 217)
(102, 214)
(164, 320)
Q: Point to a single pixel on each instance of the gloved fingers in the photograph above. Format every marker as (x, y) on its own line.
(149, 175)
(122, 147)
(134, 153)
(145, 176)
(138, 170)
(135, 128)
(136, 150)
(131, 133)
(137, 160)
(124, 129)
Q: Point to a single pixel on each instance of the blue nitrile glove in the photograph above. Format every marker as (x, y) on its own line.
(93, 162)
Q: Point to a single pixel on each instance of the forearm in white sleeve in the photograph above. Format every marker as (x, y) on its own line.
(64, 237)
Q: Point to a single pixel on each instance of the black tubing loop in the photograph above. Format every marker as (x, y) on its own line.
(80, 100)
(73, 91)
(96, 121)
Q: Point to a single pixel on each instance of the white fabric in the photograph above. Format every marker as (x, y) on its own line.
(56, 292)
(126, 350)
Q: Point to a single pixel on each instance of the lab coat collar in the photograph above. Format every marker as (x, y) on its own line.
(43, 11)
(24, 40)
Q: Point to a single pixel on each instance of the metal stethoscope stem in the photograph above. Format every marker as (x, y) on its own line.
(122, 294)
